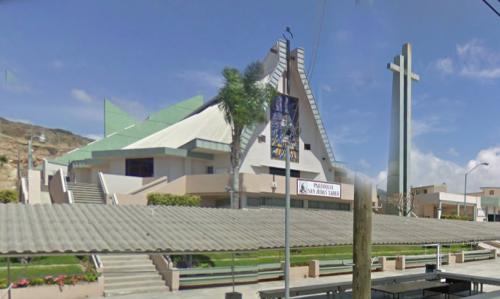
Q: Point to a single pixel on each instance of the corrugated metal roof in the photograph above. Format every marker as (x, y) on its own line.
(52, 229)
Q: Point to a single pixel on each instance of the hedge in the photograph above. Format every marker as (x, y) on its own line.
(167, 199)
(7, 196)
(455, 217)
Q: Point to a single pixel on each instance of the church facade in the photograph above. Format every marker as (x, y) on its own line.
(191, 156)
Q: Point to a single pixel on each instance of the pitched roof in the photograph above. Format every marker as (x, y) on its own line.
(208, 125)
(65, 228)
(154, 123)
(115, 119)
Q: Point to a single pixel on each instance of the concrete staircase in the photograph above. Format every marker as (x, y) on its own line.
(86, 193)
(130, 274)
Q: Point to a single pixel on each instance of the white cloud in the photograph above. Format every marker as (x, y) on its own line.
(93, 136)
(82, 95)
(453, 152)
(204, 78)
(428, 169)
(445, 65)
(473, 60)
(364, 164)
(428, 125)
(56, 64)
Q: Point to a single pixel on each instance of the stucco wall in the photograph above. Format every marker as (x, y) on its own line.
(34, 186)
(171, 167)
(122, 184)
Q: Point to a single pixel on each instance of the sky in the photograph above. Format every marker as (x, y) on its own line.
(64, 57)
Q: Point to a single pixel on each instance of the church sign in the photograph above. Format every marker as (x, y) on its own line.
(316, 188)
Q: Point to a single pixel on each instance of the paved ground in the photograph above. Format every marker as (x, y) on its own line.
(489, 268)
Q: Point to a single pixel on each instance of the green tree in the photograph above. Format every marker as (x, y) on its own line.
(243, 99)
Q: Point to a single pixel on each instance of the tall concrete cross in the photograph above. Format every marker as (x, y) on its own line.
(398, 172)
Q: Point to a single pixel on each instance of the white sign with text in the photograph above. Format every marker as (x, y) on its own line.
(318, 188)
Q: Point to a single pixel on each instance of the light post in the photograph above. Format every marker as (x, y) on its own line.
(465, 185)
(40, 138)
(287, 140)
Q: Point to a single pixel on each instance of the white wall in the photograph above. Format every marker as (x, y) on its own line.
(122, 184)
(311, 163)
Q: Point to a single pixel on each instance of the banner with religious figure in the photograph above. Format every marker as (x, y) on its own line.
(284, 108)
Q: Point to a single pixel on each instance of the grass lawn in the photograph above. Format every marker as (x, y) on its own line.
(40, 267)
(304, 255)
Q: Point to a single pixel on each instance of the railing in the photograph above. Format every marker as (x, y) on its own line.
(196, 277)
(96, 260)
(328, 267)
(114, 199)
(421, 260)
(24, 191)
(478, 255)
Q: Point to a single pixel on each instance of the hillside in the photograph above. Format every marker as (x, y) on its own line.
(14, 140)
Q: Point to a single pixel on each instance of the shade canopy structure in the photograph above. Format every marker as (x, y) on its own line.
(89, 229)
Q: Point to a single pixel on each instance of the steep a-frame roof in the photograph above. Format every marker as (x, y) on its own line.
(275, 65)
(118, 140)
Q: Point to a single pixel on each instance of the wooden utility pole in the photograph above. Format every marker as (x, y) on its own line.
(362, 239)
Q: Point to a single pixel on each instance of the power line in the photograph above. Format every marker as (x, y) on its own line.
(318, 39)
(492, 8)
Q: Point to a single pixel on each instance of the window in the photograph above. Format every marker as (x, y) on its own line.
(281, 172)
(328, 205)
(425, 191)
(492, 192)
(210, 169)
(273, 202)
(262, 138)
(143, 167)
(307, 146)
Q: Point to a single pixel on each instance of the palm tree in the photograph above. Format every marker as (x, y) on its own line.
(244, 101)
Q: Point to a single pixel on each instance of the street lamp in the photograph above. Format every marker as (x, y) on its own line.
(465, 185)
(40, 138)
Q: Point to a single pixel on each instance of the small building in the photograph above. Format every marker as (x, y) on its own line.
(434, 201)
(490, 201)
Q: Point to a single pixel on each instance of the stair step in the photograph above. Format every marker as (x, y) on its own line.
(127, 257)
(117, 270)
(132, 277)
(131, 263)
(135, 290)
(127, 285)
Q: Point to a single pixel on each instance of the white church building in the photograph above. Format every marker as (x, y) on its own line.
(191, 156)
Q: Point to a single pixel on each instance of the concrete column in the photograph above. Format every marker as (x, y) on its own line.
(460, 257)
(173, 279)
(451, 259)
(306, 204)
(494, 251)
(400, 262)
(314, 268)
(440, 210)
(362, 239)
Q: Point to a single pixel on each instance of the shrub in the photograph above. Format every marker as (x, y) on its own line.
(7, 196)
(3, 283)
(455, 217)
(173, 200)
(37, 281)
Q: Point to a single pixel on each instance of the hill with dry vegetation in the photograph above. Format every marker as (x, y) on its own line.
(14, 138)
